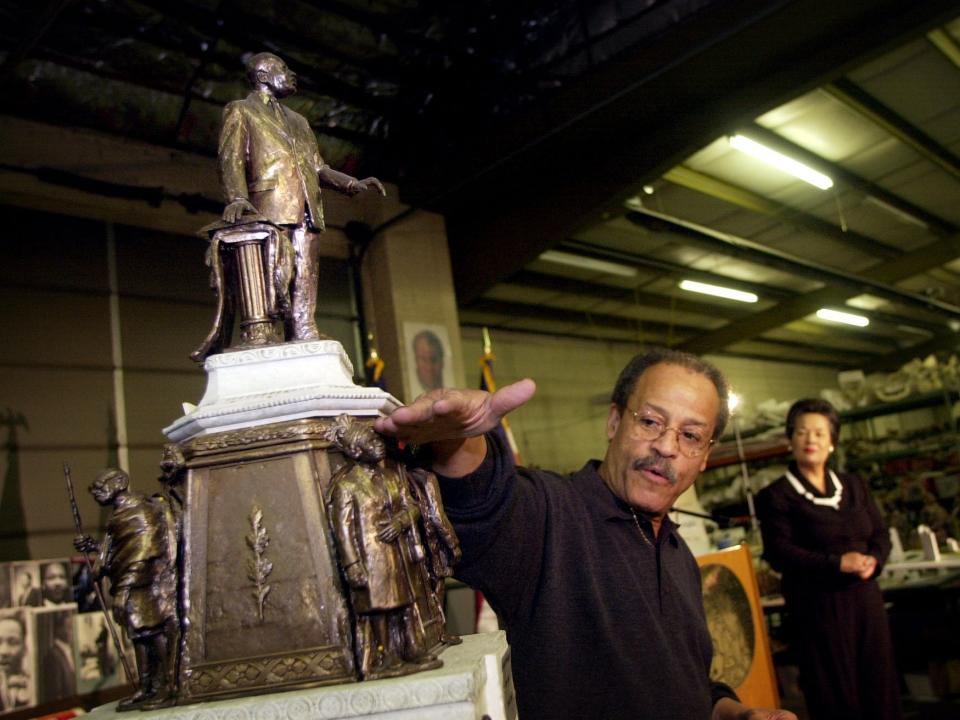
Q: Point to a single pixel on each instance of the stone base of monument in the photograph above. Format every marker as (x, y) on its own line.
(273, 383)
(474, 683)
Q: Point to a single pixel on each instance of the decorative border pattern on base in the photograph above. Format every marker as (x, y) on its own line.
(212, 679)
(278, 351)
(261, 434)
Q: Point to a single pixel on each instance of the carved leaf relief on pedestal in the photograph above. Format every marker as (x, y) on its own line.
(258, 566)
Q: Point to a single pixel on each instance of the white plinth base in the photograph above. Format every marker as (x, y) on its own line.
(474, 682)
(276, 383)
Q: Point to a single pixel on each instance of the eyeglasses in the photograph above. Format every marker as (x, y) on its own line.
(692, 442)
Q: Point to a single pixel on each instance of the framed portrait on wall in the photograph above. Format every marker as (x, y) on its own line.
(18, 672)
(741, 647)
(6, 594)
(55, 651)
(97, 661)
(25, 584)
(427, 353)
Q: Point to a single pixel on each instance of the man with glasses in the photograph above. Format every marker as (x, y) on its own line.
(599, 594)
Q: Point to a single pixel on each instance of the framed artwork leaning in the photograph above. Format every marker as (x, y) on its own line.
(741, 647)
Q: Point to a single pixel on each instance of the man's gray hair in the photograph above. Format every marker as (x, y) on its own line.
(665, 356)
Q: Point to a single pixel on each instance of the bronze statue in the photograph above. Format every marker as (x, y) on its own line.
(443, 547)
(139, 555)
(271, 172)
(374, 521)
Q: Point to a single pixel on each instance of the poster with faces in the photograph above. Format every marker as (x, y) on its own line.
(55, 653)
(6, 596)
(97, 663)
(25, 584)
(18, 673)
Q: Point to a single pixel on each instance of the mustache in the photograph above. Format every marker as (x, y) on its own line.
(652, 462)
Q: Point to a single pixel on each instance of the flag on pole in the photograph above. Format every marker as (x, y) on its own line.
(374, 366)
(486, 617)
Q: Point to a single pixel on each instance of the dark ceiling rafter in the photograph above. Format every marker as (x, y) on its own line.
(855, 97)
(659, 108)
(634, 329)
(908, 265)
(944, 42)
(235, 31)
(151, 84)
(747, 200)
(687, 302)
(587, 249)
(937, 225)
(894, 361)
(379, 23)
(580, 288)
(29, 40)
(772, 257)
(621, 323)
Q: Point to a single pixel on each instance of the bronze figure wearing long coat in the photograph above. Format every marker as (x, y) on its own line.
(364, 500)
(138, 554)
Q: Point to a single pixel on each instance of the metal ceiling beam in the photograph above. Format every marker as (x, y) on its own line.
(944, 42)
(866, 281)
(516, 311)
(948, 343)
(910, 264)
(770, 292)
(570, 286)
(578, 317)
(937, 224)
(748, 200)
(598, 140)
(588, 249)
(310, 77)
(855, 97)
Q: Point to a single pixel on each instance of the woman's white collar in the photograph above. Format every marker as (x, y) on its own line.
(833, 501)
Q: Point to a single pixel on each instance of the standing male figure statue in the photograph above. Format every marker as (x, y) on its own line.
(270, 166)
(139, 555)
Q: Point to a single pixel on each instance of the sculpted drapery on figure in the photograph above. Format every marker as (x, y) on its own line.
(138, 554)
(271, 173)
(375, 522)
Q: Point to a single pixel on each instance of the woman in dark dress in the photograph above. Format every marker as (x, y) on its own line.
(823, 532)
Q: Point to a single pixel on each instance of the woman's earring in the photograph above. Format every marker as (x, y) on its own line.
(831, 448)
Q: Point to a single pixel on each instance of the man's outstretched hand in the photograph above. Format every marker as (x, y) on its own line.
(449, 414)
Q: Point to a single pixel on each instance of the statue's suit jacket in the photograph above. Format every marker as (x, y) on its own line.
(271, 162)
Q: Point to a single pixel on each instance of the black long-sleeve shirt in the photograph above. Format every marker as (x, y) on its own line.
(602, 623)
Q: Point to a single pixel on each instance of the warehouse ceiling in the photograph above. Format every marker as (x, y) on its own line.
(595, 132)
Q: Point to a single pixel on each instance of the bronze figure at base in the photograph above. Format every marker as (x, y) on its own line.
(138, 554)
(375, 521)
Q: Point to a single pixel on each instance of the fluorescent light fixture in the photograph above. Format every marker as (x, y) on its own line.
(842, 317)
(587, 263)
(780, 161)
(866, 301)
(718, 291)
(901, 215)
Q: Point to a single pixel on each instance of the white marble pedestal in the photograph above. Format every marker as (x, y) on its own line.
(474, 683)
(275, 383)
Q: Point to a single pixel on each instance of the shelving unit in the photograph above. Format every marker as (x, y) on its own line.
(858, 426)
